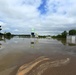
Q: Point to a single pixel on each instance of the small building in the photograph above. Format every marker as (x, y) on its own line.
(36, 35)
(71, 39)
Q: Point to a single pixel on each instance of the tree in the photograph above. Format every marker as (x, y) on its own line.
(64, 34)
(0, 30)
(8, 34)
(72, 32)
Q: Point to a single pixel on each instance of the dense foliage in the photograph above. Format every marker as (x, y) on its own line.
(64, 34)
(72, 32)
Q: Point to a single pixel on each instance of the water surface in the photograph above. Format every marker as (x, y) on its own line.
(18, 51)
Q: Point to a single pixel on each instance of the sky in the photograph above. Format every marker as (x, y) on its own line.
(46, 17)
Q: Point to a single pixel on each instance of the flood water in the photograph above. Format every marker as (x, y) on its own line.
(17, 51)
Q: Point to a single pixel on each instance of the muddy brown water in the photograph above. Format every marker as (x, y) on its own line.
(19, 51)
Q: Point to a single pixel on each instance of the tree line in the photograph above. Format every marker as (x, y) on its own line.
(64, 34)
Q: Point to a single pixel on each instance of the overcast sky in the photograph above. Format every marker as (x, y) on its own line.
(45, 16)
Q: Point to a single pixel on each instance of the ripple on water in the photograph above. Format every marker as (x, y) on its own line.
(39, 65)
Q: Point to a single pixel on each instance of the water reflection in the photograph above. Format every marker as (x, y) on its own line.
(63, 41)
(4, 38)
(1, 39)
(69, 42)
(34, 42)
(0, 45)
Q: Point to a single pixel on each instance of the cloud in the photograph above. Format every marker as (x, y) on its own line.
(20, 16)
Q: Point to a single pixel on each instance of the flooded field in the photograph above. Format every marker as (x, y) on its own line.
(32, 56)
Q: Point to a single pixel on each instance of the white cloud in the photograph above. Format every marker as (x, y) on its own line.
(19, 16)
